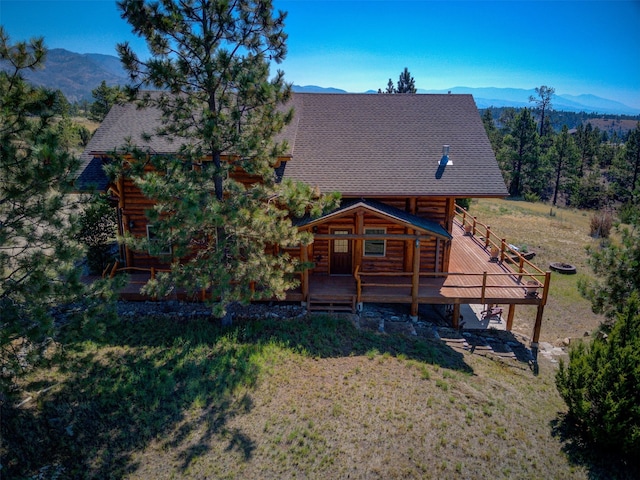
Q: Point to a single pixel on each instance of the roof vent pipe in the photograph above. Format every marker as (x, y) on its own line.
(445, 156)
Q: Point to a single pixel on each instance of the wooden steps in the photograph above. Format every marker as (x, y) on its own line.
(332, 303)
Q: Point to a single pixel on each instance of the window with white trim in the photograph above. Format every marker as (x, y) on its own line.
(375, 247)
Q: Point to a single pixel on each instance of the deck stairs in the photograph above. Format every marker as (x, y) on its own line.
(331, 303)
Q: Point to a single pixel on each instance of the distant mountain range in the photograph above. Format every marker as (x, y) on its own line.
(516, 97)
(76, 75)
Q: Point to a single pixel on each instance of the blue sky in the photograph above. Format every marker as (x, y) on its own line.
(577, 47)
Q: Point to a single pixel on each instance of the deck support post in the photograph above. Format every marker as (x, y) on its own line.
(537, 327)
(415, 278)
(510, 315)
(455, 316)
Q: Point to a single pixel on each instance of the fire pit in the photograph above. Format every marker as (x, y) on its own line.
(562, 267)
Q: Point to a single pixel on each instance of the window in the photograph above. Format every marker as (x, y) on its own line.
(377, 247)
(340, 245)
(153, 239)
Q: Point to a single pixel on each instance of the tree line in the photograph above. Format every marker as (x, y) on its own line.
(582, 167)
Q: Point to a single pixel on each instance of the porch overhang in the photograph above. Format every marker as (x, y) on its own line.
(380, 210)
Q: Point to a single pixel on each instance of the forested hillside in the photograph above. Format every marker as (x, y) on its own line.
(569, 160)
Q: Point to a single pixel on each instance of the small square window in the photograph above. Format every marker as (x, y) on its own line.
(151, 235)
(377, 247)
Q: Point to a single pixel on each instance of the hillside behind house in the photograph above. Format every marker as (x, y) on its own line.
(75, 74)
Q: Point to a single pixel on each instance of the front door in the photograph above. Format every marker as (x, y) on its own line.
(341, 253)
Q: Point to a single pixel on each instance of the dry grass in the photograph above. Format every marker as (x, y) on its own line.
(379, 417)
(556, 235)
(313, 398)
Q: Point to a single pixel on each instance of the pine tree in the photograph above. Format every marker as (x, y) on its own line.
(211, 58)
(563, 157)
(406, 83)
(626, 167)
(104, 97)
(37, 254)
(520, 156)
(492, 131)
(543, 101)
(601, 384)
(390, 87)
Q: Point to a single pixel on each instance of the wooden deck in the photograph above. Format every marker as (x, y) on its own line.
(472, 279)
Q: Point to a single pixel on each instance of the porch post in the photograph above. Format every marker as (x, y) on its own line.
(415, 279)
(304, 257)
(409, 251)
(359, 242)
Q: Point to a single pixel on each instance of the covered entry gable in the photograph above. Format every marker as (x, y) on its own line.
(382, 211)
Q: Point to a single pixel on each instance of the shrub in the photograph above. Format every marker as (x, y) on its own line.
(601, 384)
(601, 224)
(464, 203)
(628, 212)
(98, 233)
(531, 197)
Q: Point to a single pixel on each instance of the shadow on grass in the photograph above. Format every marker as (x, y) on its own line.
(173, 383)
(601, 464)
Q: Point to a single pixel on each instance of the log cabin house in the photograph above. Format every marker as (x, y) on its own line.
(400, 162)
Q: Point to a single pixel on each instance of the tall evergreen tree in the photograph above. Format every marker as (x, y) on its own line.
(543, 103)
(563, 158)
(37, 254)
(406, 83)
(587, 142)
(493, 133)
(626, 167)
(211, 59)
(520, 155)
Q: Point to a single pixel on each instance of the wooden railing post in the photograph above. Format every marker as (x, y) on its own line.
(114, 270)
(521, 267)
(503, 248)
(356, 274)
(487, 237)
(473, 228)
(545, 290)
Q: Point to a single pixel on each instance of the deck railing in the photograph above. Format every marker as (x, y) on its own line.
(486, 282)
(112, 270)
(498, 247)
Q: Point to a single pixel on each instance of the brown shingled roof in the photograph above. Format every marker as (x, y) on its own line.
(371, 145)
(366, 145)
